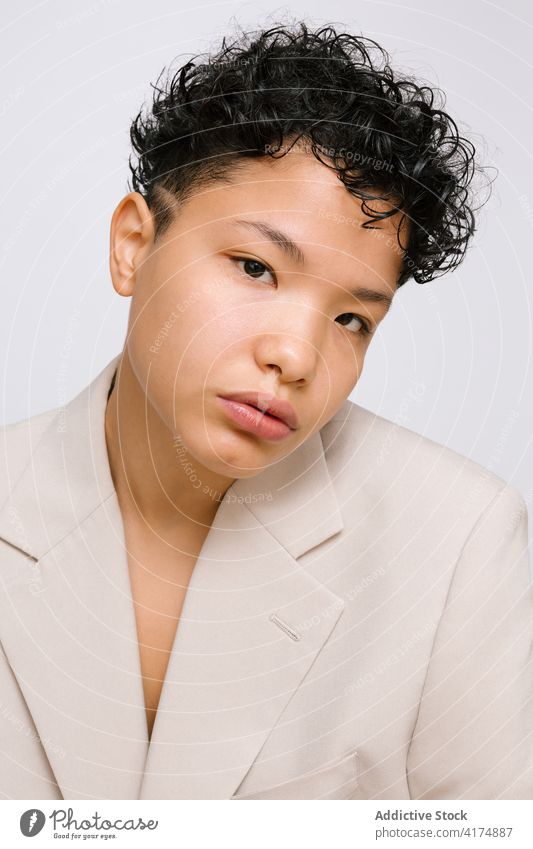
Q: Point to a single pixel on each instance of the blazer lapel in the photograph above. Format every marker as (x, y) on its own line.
(67, 622)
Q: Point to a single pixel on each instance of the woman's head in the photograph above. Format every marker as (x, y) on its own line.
(285, 189)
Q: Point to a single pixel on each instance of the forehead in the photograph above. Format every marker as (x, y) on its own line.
(304, 198)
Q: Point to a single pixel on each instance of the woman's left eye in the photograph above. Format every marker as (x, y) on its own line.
(253, 268)
(346, 318)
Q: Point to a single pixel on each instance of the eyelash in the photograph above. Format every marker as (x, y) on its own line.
(365, 329)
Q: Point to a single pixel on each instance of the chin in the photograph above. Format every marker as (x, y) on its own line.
(241, 464)
(238, 455)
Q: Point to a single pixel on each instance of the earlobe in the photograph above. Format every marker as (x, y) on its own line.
(131, 235)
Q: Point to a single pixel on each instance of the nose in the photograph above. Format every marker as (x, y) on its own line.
(294, 345)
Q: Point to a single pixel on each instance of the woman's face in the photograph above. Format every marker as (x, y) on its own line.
(223, 305)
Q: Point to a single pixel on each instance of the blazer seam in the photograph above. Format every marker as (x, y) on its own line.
(75, 528)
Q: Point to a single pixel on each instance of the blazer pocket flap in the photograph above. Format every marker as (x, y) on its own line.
(335, 781)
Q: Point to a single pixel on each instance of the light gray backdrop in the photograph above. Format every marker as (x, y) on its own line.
(453, 358)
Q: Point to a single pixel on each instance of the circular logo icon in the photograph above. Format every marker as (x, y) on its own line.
(32, 822)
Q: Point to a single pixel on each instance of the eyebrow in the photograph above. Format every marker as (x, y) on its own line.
(282, 239)
(294, 252)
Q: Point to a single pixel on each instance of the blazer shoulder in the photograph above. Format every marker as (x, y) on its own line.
(397, 460)
(17, 443)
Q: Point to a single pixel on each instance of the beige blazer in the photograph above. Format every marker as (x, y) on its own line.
(359, 625)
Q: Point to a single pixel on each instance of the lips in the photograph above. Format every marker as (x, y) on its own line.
(268, 404)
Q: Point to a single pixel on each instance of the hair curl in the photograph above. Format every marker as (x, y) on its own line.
(387, 137)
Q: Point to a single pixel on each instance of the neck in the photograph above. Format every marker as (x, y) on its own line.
(150, 467)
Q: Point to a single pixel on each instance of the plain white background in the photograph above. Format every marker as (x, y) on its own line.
(452, 360)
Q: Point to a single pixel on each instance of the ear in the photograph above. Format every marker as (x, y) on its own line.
(131, 237)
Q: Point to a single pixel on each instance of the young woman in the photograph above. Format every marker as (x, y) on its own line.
(220, 577)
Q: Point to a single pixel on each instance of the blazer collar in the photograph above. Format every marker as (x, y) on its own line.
(67, 623)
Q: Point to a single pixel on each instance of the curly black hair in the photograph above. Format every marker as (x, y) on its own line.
(387, 137)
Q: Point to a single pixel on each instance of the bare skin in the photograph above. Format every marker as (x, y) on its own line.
(201, 326)
(159, 577)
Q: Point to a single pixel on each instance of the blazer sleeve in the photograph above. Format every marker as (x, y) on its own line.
(473, 737)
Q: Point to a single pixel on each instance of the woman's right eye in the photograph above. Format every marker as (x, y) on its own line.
(253, 268)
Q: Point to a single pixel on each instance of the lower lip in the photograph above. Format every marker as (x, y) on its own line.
(254, 421)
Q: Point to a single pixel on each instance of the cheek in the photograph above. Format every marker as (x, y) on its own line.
(172, 322)
(178, 345)
(342, 374)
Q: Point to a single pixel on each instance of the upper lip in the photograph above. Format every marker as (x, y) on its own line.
(268, 403)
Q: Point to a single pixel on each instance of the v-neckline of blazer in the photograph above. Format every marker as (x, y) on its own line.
(67, 623)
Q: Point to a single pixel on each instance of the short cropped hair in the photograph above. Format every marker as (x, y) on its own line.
(385, 135)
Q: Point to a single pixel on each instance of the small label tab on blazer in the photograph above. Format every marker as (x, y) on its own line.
(284, 627)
